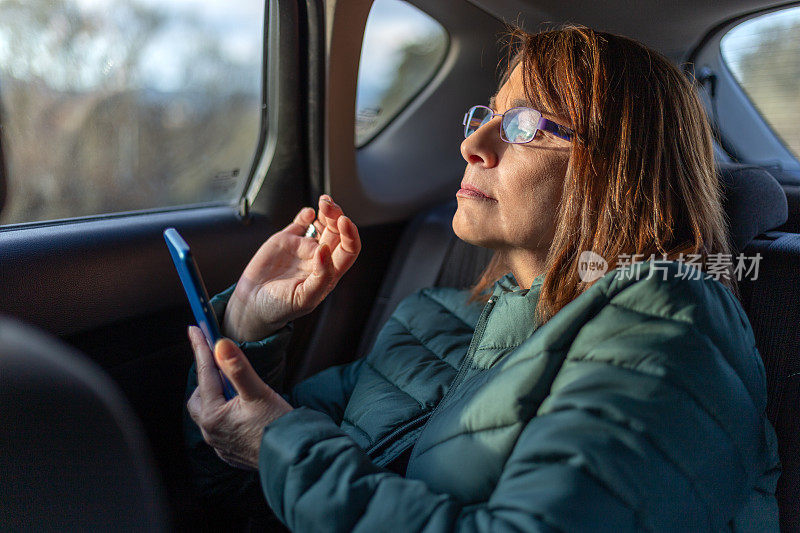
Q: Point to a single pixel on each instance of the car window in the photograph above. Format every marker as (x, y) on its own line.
(402, 50)
(124, 105)
(763, 53)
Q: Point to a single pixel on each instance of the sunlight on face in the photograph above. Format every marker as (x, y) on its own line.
(518, 185)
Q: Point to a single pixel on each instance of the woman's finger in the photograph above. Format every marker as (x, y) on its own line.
(320, 227)
(204, 433)
(317, 285)
(329, 214)
(329, 211)
(209, 385)
(322, 211)
(301, 221)
(193, 406)
(349, 247)
(237, 368)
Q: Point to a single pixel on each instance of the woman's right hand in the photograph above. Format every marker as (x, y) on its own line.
(291, 274)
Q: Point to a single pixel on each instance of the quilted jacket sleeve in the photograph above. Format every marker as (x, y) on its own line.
(326, 391)
(649, 425)
(216, 481)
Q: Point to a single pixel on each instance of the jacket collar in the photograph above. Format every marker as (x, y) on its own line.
(512, 319)
(508, 284)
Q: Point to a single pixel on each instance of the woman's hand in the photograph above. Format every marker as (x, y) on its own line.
(233, 428)
(291, 274)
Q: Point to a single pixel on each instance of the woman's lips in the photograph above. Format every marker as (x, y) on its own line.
(468, 191)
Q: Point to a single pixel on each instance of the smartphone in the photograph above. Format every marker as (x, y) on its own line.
(198, 296)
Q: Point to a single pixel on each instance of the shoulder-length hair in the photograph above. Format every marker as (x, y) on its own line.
(641, 180)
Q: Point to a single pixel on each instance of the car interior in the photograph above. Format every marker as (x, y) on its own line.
(93, 349)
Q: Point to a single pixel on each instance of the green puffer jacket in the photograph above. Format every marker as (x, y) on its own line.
(638, 406)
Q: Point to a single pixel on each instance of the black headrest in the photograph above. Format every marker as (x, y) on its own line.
(73, 455)
(753, 201)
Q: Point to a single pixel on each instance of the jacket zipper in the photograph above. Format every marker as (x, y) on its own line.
(410, 425)
(473, 345)
(424, 417)
(480, 329)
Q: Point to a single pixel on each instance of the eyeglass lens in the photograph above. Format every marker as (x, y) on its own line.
(478, 116)
(519, 124)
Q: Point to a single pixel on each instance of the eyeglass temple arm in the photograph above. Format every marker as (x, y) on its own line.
(556, 129)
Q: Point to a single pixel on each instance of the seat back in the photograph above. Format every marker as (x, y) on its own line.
(73, 454)
(772, 303)
(755, 203)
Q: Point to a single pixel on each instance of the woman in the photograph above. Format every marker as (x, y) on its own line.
(633, 401)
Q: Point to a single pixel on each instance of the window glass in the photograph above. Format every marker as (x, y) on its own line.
(764, 55)
(402, 50)
(121, 105)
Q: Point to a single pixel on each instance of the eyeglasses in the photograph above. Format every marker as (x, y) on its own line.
(518, 125)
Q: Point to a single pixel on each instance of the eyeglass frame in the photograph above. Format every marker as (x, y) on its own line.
(543, 124)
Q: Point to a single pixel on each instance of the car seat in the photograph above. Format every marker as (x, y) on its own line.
(73, 454)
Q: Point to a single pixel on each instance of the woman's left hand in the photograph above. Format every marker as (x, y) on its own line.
(233, 428)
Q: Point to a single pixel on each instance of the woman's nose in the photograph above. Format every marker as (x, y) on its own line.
(482, 146)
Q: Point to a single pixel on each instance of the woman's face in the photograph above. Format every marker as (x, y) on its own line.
(518, 185)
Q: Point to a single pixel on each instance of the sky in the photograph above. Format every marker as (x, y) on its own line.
(390, 26)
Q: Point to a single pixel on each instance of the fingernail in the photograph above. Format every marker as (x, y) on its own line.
(327, 200)
(226, 349)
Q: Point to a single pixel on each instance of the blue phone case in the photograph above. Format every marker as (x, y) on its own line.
(197, 295)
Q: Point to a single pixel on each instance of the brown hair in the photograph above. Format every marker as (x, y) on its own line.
(641, 176)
